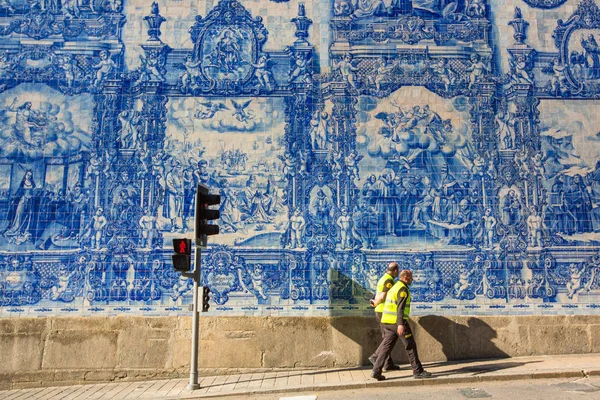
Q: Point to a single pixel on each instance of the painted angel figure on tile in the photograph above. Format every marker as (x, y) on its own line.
(262, 73)
(192, 73)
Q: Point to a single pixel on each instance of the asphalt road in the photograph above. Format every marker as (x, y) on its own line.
(545, 389)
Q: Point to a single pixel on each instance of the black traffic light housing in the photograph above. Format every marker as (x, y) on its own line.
(182, 259)
(205, 298)
(205, 214)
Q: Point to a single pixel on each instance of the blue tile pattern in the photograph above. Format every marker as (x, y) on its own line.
(458, 138)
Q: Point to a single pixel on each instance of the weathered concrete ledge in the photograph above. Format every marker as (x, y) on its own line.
(54, 351)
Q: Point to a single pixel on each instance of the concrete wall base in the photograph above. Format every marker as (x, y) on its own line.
(54, 351)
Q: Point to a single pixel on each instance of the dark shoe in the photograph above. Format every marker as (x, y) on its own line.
(372, 359)
(422, 375)
(392, 368)
(379, 377)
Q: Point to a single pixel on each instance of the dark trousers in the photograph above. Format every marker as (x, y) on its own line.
(390, 337)
(388, 361)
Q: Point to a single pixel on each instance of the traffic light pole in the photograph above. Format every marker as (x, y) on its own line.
(202, 229)
(193, 385)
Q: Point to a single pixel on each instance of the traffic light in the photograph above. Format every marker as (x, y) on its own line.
(205, 298)
(182, 259)
(204, 214)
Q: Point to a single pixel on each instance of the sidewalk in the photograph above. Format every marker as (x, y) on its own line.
(236, 386)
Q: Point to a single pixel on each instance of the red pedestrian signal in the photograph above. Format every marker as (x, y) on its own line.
(182, 246)
(182, 260)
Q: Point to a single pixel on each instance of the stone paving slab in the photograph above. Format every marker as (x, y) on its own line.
(294, 381)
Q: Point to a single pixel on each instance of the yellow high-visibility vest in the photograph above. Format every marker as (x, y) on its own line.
(390, 310)
(386, 277)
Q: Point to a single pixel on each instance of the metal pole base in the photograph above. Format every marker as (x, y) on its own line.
(192, 386)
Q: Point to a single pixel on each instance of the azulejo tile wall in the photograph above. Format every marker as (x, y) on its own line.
(457, 137)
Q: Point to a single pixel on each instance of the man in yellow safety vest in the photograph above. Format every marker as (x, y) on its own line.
(394, 322)
(384, 284)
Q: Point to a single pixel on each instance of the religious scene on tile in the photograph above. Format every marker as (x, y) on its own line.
(460, 138)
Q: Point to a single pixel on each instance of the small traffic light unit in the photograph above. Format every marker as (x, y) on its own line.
(205, 298)
(182, 259)
(204, 214)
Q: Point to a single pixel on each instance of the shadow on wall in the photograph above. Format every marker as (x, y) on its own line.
(460, 341)
(438, 338)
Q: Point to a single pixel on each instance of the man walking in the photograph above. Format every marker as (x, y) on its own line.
(395, 325)
(384, 284)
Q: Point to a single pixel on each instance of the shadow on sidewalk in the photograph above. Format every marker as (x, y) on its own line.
(471, 370)
(483, 368)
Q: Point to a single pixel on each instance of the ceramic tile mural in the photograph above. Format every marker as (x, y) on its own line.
(459, 138)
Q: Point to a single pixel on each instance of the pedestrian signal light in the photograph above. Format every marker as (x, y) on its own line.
(205, 298)
(182, 246)
(204, 214)
(182, 260)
